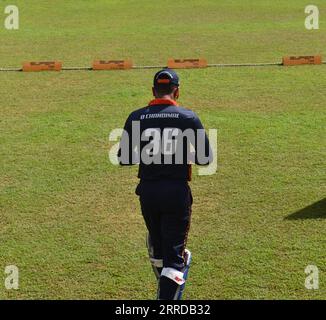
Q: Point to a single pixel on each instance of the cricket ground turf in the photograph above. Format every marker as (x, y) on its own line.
(69, 219)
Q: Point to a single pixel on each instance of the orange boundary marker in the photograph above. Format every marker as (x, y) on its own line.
(112, 64)
(42, 66)
(300, 60)
(187, 63)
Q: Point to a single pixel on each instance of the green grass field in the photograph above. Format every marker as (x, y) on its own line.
(70, 221)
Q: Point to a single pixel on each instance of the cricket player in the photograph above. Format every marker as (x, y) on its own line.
(165, 139)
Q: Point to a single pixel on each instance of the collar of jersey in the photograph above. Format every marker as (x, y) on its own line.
(163, 102)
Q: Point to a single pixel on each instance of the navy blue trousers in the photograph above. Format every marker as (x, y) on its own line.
(166, 208)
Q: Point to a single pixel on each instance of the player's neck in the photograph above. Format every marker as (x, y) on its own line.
(166, 97)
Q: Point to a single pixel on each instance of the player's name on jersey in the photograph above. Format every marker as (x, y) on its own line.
(159, 115)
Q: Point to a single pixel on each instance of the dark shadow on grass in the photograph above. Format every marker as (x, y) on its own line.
(316, 210)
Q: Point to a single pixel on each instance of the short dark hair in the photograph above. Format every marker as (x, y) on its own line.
(163, 89)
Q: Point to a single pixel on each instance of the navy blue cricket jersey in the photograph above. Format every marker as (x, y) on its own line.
(159, 116)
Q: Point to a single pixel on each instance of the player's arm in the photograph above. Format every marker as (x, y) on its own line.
(203, 150)
(127, 154)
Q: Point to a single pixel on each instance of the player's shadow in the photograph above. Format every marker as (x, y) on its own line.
(316, 210)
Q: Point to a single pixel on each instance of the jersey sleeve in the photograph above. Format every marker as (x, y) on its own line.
(127, 154)
(203, 150)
